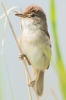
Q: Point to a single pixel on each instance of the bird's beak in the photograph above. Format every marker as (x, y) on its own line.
(20, 15)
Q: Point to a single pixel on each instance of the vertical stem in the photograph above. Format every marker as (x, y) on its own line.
(24, 61)
(17, 45)
(9, 79)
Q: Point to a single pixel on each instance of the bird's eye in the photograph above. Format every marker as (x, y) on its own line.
(33, 15)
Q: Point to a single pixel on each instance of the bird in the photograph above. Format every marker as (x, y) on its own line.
(35, 43)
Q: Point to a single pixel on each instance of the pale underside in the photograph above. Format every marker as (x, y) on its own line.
(35, 44)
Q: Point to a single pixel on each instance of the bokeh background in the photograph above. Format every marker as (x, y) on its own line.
(12, 74)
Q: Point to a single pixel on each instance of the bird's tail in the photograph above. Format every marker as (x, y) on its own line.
(39, 82)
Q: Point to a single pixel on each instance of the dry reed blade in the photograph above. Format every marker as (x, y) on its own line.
(24, 61)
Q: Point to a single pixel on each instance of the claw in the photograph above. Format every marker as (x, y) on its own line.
(21, 56)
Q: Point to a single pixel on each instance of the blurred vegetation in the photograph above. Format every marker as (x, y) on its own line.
(1, 81)
(59, 64)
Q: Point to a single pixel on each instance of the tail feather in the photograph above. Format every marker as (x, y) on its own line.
(39, 82)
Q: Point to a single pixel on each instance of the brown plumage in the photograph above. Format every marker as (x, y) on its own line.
(35, 43)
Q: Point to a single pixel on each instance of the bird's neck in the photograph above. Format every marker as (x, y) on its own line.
(31, 25)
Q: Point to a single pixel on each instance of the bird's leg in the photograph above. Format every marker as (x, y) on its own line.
(31, 83)
(21, 56)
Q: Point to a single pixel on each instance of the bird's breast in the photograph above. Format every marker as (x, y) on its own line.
(33, 46)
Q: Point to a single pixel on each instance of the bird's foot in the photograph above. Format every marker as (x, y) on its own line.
(31, 83)
(21, 56)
